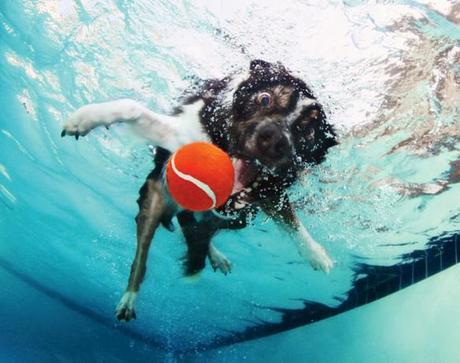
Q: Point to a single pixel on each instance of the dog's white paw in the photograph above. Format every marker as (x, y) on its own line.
(125, 308)
(319, 259)
(219, 261)
(81, 122)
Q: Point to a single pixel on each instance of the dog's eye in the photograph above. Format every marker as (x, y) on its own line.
(264, 99)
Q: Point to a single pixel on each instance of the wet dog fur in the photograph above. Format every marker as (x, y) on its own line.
(266, 119)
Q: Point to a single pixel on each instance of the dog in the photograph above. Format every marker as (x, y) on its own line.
(266, 119)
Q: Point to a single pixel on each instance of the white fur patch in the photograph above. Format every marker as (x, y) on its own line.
(127, 301)
(313, 251)
(188, 125)
(298, 109)
(169, 132)
(218, 260)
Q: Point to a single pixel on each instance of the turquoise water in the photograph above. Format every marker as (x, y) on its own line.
(387, 73)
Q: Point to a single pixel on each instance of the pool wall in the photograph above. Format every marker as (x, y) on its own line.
(417, 324)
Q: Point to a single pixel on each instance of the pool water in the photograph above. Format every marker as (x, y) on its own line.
(388, 74)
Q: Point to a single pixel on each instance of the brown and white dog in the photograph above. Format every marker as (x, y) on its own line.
(271, 125)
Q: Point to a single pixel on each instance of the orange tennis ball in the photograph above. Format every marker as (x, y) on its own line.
(200, 176)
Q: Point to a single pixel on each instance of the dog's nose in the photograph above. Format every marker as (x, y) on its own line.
(272, 142)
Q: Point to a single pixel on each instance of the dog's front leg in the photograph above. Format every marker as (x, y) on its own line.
(164, 131)
(312, 250)
(284, 214)
(152, 208)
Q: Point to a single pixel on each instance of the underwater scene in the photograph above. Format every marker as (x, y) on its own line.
(384, 202)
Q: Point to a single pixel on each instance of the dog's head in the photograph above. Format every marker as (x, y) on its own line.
(278, 125)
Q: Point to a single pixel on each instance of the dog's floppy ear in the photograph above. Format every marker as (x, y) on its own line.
(324, 138)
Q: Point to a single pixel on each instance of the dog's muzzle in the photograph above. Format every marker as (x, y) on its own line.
(272, 143)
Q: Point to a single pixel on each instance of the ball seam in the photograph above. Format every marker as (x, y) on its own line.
(198, 183)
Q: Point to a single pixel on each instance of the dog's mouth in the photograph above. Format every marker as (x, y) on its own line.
(246, 173)
(249, 176)
(246, 176)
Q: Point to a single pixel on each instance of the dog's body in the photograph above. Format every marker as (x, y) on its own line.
(267, 120)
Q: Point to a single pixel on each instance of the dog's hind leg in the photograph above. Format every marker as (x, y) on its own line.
(152, 211)
(218, 260)
(198, 236)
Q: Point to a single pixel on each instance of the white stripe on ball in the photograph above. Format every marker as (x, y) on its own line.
(198, 183)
